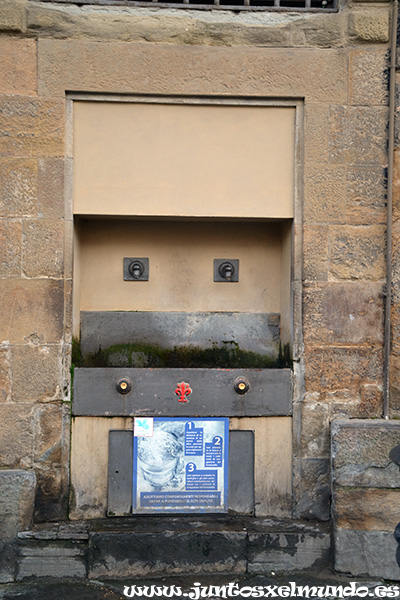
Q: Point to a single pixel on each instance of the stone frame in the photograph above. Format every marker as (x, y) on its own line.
(270, 75)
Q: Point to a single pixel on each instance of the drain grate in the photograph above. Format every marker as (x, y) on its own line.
(252, 5)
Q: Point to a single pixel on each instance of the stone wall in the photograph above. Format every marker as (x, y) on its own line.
(17, 497)
(366, 497)
(34, 276)
(395, 315)
(335, 64)
(357, 23)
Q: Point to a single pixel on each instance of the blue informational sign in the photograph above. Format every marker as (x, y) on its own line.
(180, 465)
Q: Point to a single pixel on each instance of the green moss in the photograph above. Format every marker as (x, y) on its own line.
(227, 355)
(76, 354)
(285, 357)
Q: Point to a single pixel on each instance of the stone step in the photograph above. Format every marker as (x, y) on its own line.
(153, 546)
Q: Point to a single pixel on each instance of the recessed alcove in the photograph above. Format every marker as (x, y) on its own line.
(183, 186)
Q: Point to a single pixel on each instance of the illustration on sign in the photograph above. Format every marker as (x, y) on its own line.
(182, 466)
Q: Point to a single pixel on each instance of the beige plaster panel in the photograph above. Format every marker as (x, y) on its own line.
(183, 160)
(181, 266)
(76, 65)
(273, 463)
(89, 464)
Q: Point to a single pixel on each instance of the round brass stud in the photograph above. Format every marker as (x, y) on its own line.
(241, 385)
(124, 385)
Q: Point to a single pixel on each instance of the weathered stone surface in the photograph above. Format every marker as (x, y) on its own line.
(12, 16)
(68, 262)
(397, 118)
(16, 435)
(37, 373)
(360, 453)
(394, 386)
(132, 25)
(358, 135)
(395, 347)
(16, 501)
(316, 133)
(366, 553)
(57, 531)
(31, 127)
(368, 476)
(325, 194)
(344, 403)
(124, 554)
(254, 332)
(178, 27)
(5, 374)
(63, 559)
(396, 263)
(357, 252)
(315, 249)
(10, 248)
(145, 68)
(18, 66)
(67, 317)
(369, 26)
(51, 188)
(312, 489)
(369, 77)
(18, 187)
(52, 493)
(49, 433)
(319, 31)
(287, 551)
(155, 542)
(33, 309)
(355, 366)
(363, 403)
(371, 401)
(129, 24)
(396, 177)
(43, 248)
(395, 316)
(366, 509)
(349, 313)
(315, 430)
(17, 495)
(365, 195)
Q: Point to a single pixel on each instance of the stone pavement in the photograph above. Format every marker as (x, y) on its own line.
(75, 589)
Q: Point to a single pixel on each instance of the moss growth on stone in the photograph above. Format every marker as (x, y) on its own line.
(76, 354)
(228, 355)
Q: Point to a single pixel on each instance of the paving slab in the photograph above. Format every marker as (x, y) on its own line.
(51, 589)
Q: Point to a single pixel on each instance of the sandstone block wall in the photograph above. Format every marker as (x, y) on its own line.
(34, 420)
(395, 316)
(366, 497)
(17, 497)
(334, 65)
